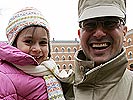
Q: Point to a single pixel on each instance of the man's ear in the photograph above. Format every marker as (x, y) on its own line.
(124, 33)
(79, 32)
(125, 30)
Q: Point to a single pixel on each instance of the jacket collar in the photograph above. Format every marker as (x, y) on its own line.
(109, 72)
(13, 55)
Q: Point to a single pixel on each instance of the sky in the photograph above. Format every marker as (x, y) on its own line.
(62, 16)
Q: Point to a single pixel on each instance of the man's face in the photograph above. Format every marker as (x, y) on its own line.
(102, 38)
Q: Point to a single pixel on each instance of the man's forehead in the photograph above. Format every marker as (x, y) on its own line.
(103, 18)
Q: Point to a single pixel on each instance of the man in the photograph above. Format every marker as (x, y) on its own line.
(101, 65)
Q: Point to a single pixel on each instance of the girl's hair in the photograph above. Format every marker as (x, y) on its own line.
(35, 26)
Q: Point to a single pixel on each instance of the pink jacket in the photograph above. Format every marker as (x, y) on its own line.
(14, 83)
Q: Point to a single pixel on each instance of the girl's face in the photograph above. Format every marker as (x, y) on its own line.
(34, 41)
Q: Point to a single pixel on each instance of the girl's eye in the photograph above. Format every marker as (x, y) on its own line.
(28, 41)
(43, 43)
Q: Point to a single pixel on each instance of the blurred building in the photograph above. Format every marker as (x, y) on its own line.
(63, 52)
(129, 46)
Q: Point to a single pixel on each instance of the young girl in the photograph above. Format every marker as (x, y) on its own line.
(27, 71)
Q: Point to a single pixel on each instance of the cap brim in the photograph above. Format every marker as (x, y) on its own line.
(101, 11)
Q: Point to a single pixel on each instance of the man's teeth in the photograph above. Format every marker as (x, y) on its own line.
(100, 45)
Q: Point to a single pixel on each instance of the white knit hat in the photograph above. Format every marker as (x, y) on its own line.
(28, 16)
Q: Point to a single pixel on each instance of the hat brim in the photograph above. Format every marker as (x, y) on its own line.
(101, 11)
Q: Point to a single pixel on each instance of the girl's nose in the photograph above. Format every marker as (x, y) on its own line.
(36, 48)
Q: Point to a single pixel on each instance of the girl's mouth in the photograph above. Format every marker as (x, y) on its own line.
(37, 57)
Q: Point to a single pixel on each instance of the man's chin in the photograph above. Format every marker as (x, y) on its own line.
(100, 60)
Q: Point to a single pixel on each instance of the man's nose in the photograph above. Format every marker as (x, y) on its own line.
(99, 32)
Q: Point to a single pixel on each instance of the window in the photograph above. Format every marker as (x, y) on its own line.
(75, 49)
(64, 66)
(56, 49)
(69, 57)
(63, 57)
(69, 49)
(129, 41)
(62, 49)
(58, 66)
(57, 58)
(70, 66)
(130, 54)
